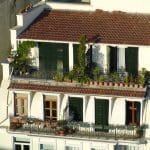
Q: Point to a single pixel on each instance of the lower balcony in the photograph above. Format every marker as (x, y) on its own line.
(75, 129)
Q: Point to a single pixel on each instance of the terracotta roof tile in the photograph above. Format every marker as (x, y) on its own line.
(76, 90)
(111, 27)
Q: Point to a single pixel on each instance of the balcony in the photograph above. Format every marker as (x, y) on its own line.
(74, 129)
(54, 64)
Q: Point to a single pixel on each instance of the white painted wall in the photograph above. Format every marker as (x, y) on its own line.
(144, 57)
(141, 6)
(5, 140)
(99, 56)
(121, 59)
(34, 55)
(90, 113)
(71, 61)
(70, 6)
(118, 111)
(37, 105)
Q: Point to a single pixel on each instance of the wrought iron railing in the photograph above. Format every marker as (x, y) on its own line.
(39, 74)
(77, 129)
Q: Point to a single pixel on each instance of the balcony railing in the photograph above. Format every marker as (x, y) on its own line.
(58, 77)
(48, 75)
(76, 129)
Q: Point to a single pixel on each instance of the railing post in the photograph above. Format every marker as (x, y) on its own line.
(133, 132)
(115, 133)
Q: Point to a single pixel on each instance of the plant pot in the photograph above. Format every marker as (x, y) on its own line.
(70, 131)
(57, 132)
(10, 59)
(61, 132)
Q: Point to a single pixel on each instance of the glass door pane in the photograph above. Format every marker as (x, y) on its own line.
(76, 108)
(17, 147)
(26, 147)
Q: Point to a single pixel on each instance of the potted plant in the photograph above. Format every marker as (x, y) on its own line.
(101, 80)
(71, 75)
(96, 73)
(10, 58)
(59, 77)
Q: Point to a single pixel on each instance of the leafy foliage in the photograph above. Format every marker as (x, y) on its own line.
(22, 59)
(79, 70)
(81, 51)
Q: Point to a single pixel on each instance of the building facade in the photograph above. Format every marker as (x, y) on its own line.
(77, 77)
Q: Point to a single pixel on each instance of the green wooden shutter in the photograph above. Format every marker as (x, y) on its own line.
(131, 60)
(52, 53)
(76, 108)
(101, 111)
(113, 59)
(129, 116)
(75, 53)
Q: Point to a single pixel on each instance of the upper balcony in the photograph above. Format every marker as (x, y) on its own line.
(59, 62)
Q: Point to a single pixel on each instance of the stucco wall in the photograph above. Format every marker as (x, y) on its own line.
(5, 140)
(144, 57)
(141, 6)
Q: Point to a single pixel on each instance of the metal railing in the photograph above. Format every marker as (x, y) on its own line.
(78, 129)
(39, 74)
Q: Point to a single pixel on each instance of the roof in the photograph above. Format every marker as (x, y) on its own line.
(76, 90)
(98, 26)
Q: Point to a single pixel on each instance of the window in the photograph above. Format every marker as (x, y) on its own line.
(76, 108)
(46, 147)
(132, 113)
(21, 144)
(121, 147)
(101, 111)
(21, 104)
(131, 60)
(71, 148)
(125, 147)
(97, 148)
(50, 108)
